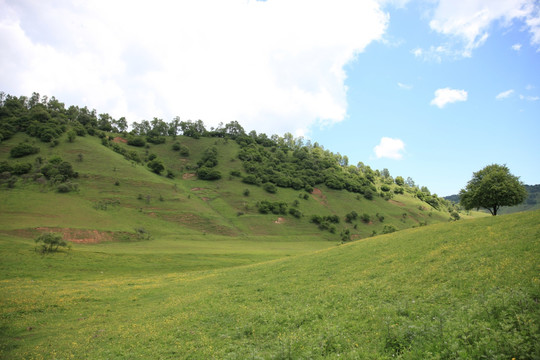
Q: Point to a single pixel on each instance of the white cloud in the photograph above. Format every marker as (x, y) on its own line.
(504, 94)
(468, 22)
(529, 98)
(390, 148)
(405, 86)
(270, 65)
(516, 47)
(448, 96)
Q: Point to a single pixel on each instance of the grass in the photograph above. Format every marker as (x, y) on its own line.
(468, 289)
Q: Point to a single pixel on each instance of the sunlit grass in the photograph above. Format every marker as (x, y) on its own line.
(460, 290)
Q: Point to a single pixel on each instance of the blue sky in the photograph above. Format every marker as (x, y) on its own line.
(390, 91)
(431, 89)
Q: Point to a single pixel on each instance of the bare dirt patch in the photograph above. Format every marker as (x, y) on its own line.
(120, 140)
(188, 176)
(319, 196)
(80, 236)
(197, 189)
(279, 220)
(398, 203)
(205, 199)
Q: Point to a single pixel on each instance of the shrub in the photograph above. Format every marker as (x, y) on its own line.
(251, 179)
(71, 135)
(368, 194)
(136, 141)
(246, 192)
(385, 188)
(22, 149)
(156, 166)
(5, 167)
(176, 146)
(295, 212)
(365, 218)
(269, 187)
(389, 229)
(20, 169)
(205, 173)
(67, 187)
(184, 151)
(50, 242)
(353, 215)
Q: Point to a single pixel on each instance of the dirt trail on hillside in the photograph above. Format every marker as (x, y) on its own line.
(318, 195)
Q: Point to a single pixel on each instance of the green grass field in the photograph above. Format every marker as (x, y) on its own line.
(219, 280)
(461, 290)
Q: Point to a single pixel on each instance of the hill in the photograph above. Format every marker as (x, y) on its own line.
(466, 289)
(72, 171)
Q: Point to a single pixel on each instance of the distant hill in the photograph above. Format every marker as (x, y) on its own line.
(531, 203)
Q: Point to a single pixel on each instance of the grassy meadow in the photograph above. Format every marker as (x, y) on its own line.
(460, 290)
(182, 268)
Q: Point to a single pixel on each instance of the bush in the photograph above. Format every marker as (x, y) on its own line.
(5, 167)
(454, 215)
(385, 188)
(251, 179)
(269, 187)
(156, 166)
(22, 149)
(136, 141)
(205, 173)
(50, 242)
(368, 194)
(295, 212)
(20, 169)
(67, 187)
(389, 229)
(353, 215)
(365, 218)
(266, 207)
(184, 151)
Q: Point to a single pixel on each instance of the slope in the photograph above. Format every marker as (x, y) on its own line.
(467, 289)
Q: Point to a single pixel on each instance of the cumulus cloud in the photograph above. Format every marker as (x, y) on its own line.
(270, 65)
(516, 47)
(448, 96)
(504, 94)
(390, 148)
(468, 22)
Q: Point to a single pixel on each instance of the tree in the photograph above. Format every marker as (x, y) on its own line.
(492, 187)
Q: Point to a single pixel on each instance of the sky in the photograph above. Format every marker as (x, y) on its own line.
(429, 89)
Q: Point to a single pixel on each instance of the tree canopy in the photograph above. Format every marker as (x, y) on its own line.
(492, 187)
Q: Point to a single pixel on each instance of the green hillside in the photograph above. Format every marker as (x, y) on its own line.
(83, 175)
(467, 289)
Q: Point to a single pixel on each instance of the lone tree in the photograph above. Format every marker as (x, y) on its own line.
(492, 187)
